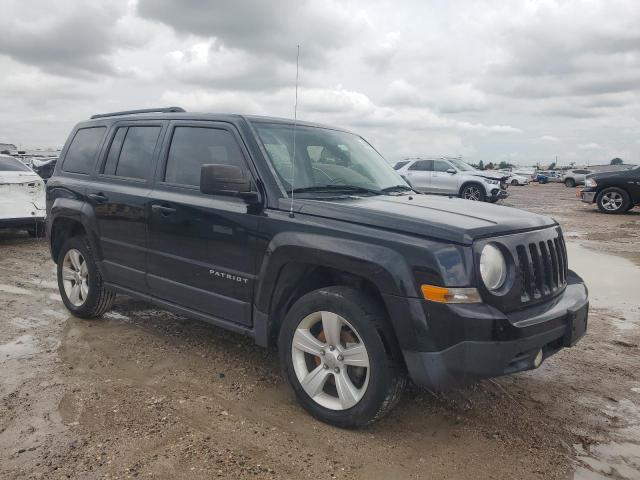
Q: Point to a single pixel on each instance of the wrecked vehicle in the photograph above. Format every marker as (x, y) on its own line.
(326, 254)
(452, 176)
(22, 197)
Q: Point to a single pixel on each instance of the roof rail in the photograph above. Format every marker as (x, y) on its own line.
(144, 110)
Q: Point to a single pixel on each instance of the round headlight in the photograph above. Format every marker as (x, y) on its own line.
(493, 267)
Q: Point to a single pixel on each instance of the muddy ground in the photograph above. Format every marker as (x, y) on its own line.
(145, 393)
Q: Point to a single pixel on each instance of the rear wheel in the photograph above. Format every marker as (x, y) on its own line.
(613, 200)
(569, 182)
(514, 182)
(79, 280)
(333, 355)
(473, 191)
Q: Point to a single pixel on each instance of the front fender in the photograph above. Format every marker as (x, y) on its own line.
(385, 268)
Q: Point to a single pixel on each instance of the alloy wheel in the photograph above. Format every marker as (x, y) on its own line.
(330, 360)
(75, 277)
(471, 193)
(612, 201)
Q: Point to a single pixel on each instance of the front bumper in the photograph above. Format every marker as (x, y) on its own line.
(587, 196)
(497, 194)
(504, 348)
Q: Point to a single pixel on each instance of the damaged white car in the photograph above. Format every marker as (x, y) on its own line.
(22, 197)
(452, 176)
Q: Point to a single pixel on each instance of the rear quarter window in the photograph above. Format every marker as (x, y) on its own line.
(83, 150)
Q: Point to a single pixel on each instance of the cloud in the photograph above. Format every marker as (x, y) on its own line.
(590, 146)
(272, 28)
(55, 38)
(488, 80)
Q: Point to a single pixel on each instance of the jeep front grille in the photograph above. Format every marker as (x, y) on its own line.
(542, 267)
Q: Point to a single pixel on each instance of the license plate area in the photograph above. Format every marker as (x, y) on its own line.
(576, 325)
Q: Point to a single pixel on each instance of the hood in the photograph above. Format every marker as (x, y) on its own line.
(633, 172)
(491, 174)
(443, 218)
(18, 177)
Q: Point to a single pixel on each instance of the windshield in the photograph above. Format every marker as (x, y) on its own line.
(326, 158)
(10, 164)
(460, 165)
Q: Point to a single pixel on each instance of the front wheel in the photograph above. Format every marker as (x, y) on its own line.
(334, 357)
(570, 182)
(79, 280)
(473, 192)
(613, 200)
(514, 182)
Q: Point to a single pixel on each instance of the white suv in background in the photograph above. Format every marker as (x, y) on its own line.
(452, 176)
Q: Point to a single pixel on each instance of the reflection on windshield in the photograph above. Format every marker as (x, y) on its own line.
(460, 165)
(326, 158)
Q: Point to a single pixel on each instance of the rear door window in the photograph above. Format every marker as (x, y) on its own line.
(422, 166)
(83, 149)
(192, 147)
(131, 152)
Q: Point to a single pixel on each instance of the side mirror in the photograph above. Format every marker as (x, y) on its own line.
(216, 179)
(452, 171)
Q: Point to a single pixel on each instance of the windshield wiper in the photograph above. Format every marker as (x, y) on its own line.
(336, 188)
(397, 188)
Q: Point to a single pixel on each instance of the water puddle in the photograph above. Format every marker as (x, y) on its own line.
(15, 290)
(20, 347)
(613, 285)
(612, 282)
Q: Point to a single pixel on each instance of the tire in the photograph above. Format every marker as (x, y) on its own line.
(93, 298)
(473, 191)
(613, 200)
(514, 182)
(369, 391)
(570, 183)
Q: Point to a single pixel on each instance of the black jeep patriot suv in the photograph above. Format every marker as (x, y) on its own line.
(303, 237)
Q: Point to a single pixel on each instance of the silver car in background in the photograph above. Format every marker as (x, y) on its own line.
(571, 178)
(452, 176)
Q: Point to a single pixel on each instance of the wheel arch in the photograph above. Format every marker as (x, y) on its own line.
(299, 263)
(70, 218)
(466, 183)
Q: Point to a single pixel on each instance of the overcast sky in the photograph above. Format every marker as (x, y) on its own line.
(489, 80)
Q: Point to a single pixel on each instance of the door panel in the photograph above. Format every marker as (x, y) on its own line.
(120, 215)
(119, 201)
(201, 247)
(201, 255)
(442, 181)
(419, 175)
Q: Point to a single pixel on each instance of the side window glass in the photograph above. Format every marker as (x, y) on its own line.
(192, 147)
(440, 166)
(422, 166)
(109, 167)
(136, 156)
(83, 149)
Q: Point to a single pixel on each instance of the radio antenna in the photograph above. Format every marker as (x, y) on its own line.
(295, 124)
